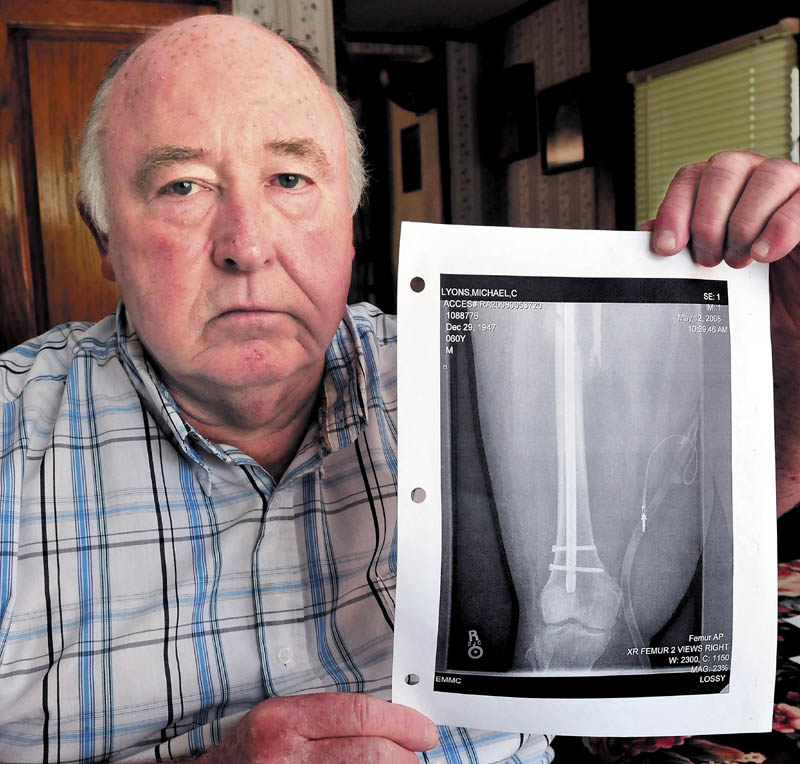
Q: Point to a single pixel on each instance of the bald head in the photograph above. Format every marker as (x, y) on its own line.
(185, 58)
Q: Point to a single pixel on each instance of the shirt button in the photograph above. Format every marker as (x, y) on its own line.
(285, 655)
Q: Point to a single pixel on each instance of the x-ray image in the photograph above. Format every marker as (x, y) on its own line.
(586, 485)
(587, 544)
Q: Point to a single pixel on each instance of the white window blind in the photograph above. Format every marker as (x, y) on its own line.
(687, 110)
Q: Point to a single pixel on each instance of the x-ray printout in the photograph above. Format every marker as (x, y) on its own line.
(586, 489)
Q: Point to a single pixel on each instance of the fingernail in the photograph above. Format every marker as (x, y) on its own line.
(704, 256)
(431, 736)
(760, 249)
(665, 241)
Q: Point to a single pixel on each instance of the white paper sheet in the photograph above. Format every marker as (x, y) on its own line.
(592, 551)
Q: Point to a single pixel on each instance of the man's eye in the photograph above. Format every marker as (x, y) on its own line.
(290, 180)
(180, 188)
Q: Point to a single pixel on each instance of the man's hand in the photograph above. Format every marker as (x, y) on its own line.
(326, 727)
(739, 207)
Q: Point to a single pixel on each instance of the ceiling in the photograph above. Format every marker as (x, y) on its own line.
(409, 16)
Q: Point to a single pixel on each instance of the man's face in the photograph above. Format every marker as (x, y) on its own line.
(230, 233)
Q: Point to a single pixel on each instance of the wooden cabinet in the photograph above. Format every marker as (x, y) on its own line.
(52, 55)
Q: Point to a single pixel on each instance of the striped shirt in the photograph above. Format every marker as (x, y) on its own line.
(155, 585)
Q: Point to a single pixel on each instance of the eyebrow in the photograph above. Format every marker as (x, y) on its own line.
(163, 156)
(304, 148)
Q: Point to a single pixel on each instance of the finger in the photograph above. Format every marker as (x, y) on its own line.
(648, 225)
(766, 214)
(781, 235)
(722, 182)
(349, 750)
(334, 715)
(671, 228)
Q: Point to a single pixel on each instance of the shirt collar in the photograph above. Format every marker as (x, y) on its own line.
(342, 412)
(153, 392)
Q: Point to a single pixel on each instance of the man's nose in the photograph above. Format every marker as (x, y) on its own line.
(241, 242)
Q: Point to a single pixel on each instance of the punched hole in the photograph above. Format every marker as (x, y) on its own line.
(417, 284)
(412, 679)
(418, 495)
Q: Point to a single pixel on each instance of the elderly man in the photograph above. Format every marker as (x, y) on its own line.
(198, 495)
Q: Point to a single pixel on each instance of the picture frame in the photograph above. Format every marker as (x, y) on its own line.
(565, 115)
(509, 114)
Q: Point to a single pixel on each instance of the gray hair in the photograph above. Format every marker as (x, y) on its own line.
(90, 159)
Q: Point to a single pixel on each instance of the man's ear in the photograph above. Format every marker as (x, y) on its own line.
(100, 239)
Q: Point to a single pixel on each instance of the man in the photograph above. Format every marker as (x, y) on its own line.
(198, 498)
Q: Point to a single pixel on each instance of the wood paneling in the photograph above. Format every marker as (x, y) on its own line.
(60, 95)
(52, 55)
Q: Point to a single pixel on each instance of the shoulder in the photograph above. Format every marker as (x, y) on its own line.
(47, 360)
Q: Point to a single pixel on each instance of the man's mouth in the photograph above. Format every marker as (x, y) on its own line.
(244, 310)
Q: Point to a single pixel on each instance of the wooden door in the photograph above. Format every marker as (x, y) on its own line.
(52, 56)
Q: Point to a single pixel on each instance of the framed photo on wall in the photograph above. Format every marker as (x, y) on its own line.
(564, 125)
(508, 113)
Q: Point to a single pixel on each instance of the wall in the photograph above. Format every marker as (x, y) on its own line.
(310, 22)
(556, 39)
(423, 204)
